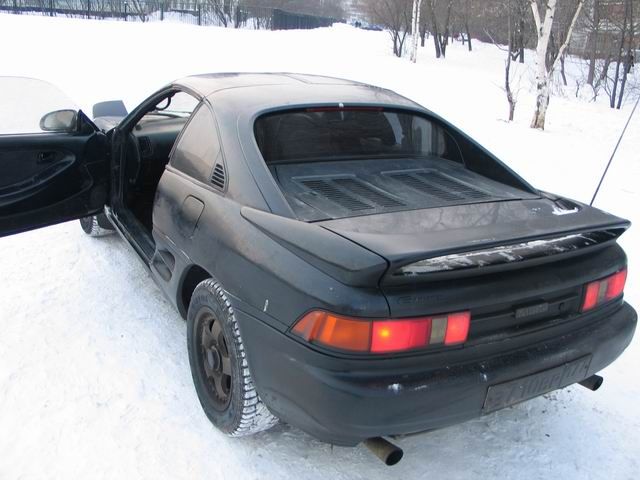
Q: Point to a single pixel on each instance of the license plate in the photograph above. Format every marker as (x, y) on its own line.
(515, 391)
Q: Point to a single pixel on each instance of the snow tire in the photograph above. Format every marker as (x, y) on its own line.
(245, 413)
(96, 225)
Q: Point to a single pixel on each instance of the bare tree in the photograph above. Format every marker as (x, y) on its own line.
(395, 16)
(439, 12)
(544, 70)
(625, 56)
(519, 32)
(592, 29)
(511, 99)
(415, 28)
(610, 27)
(463, 12)
(138, 9)
(424, 23)
(507, 12)
(486, 20)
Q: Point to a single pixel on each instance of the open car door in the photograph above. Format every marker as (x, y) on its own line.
(53, 159)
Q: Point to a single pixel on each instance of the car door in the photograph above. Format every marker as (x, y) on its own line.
(53, 159)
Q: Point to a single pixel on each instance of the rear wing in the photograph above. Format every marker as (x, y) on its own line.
(486, 260)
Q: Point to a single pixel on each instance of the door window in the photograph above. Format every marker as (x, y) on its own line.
(25, 101)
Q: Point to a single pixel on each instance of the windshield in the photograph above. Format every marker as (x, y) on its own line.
(24, 101)
(359, 132)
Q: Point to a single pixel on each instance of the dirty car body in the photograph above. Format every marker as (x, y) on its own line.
(387, 273)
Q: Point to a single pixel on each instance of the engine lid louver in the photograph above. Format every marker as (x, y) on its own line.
(347, 188)
(441, 186)
(350, 193)
(219, 176)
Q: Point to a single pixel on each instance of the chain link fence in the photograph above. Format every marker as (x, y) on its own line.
(210, 13)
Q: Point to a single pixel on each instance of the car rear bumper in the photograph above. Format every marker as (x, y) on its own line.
(345, 400)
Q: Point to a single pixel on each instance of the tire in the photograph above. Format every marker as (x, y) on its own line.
(96, 225)
(219, 365)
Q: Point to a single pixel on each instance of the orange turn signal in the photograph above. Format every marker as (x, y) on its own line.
(334, 331)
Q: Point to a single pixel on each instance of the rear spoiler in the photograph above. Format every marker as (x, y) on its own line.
(539, 249)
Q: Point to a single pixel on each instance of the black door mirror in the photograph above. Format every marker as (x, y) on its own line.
(59, 121)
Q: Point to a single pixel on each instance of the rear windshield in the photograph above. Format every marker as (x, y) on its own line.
(320, 134)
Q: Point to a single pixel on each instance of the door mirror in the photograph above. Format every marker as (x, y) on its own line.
(59, 121)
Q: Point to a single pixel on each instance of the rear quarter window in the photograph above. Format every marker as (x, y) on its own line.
(198, 147)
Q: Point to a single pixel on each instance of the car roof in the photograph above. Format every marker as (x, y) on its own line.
(250, 93)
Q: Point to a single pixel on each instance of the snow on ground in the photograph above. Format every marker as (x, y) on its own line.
(94, 377)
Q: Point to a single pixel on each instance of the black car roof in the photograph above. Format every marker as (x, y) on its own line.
(249, 93)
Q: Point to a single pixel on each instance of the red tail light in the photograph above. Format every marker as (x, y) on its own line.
(602, 291)
(382, 336)
(399, 335)
(457, 328)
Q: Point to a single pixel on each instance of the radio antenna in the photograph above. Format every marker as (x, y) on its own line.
(615, 150)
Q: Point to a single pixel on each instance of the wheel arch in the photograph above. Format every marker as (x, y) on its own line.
(192, 276)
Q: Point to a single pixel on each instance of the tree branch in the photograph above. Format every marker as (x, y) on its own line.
(567, 40)
(536, 15)
(499, 47)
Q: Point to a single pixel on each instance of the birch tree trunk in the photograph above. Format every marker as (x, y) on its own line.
(544, 72)
(415, 29)
(543, 28)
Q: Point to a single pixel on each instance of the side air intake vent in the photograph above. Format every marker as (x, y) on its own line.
(219, 176)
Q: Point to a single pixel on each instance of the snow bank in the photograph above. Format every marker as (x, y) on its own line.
(94, 377)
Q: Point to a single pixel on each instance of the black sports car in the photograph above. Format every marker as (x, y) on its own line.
(347, 261)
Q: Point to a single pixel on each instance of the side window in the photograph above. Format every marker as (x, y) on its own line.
(198, 148)
(25, 101)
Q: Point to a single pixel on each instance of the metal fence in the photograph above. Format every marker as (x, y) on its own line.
(211, 12)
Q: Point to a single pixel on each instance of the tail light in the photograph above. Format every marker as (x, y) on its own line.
(382, 336)
(602, 291)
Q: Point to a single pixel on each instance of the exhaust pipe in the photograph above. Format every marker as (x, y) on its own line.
(594, 382)
(386, 451)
